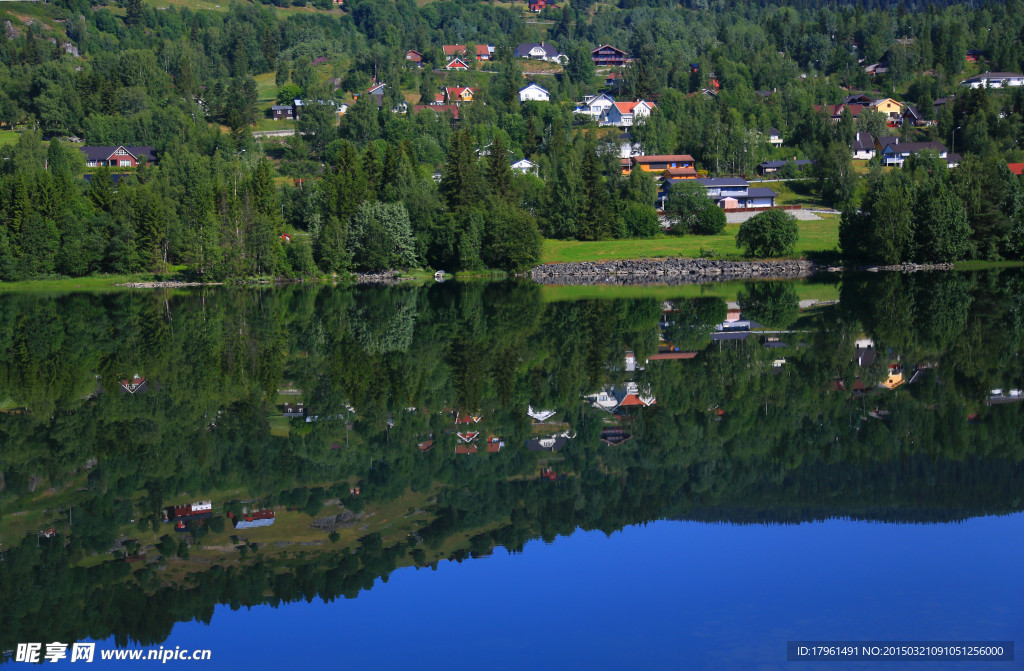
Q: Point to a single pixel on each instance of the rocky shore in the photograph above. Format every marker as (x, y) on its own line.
(669, 271)
(386, 277)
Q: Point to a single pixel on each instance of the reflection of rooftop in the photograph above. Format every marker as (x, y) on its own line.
(996, 396)
(552, 443)
(628, 395)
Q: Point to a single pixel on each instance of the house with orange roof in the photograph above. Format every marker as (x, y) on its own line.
(1016, 168)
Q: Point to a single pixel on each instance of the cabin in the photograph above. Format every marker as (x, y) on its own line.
(994, 80)
(774, 137)
(414, 57)
(974, 55)
(912, 117)
(625, 115)
(535, 93)
(200, 510)
(377, 91)
(608, 56)
(282, 112)
(120, 156)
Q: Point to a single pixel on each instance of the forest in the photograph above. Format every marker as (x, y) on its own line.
(386, 186)
(732, 436)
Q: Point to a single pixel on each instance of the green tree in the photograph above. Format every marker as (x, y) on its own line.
(769, 233)
(692, 211)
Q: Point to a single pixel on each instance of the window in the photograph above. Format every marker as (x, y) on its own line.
(125, 163)
(121, 151)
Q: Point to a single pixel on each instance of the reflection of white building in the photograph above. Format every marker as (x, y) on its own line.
(629, 395)
(539, 415)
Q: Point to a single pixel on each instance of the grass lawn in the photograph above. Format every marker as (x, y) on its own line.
(815, 236)
(8, 137)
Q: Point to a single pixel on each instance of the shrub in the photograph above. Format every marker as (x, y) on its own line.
(769, 233)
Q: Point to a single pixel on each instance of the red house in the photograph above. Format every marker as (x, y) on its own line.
(121, 156)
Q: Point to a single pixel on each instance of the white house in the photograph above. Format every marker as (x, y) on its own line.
(524, 165)
(625, 115)
(994, 80)
(894, 154)
(541, 52)
(595, 106)
(534, 92)
(774, 137)
(863, 146)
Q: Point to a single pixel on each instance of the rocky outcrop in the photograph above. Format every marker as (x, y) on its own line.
(668, 271)
(386, 277)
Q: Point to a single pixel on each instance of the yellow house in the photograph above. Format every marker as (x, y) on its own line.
(892, 109)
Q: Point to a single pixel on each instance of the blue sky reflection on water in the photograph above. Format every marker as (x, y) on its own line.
(666, 595)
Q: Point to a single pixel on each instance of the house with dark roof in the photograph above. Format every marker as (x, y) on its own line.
(119, 156)
(974, 55)
(863, 146)
(768, 167)
(774, 137)
(913, 117)
(282, 112)
(858, 99)
(734, 193)
(896, 153)
(608, 56)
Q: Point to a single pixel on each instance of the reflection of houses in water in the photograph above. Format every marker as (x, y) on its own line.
(997, 396)
(538, 416)
(737, 329)
(293, 411)
(628, 395)
(614, 435)
(426, 445)
(467, 442)
(261, 518)
(192, 512)
(552, 443)
(494, 444)
(467, 418)
(136, 385)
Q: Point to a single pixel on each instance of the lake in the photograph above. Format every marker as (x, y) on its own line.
(508, 475)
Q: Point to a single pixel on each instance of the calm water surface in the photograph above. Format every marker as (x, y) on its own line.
(498, 475)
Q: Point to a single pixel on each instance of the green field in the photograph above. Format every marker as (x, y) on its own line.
(815, 237)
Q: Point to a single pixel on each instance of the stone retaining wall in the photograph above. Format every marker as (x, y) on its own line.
(668, 271)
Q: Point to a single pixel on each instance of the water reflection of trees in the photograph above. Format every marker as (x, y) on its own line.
(731, 437)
